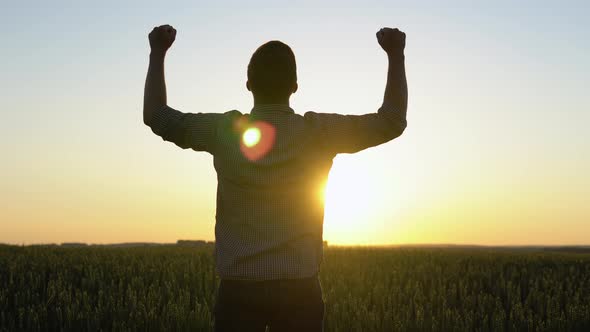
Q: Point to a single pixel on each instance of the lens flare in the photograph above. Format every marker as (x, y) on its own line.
(256, 138)
(251, 137)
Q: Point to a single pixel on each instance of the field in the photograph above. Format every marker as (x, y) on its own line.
(365, 289)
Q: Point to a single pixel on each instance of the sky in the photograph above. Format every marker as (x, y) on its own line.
(497, 149)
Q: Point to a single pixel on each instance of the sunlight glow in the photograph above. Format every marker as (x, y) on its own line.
(352, 200)
(482, 161)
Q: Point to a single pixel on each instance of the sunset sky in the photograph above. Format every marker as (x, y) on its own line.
(497, 149)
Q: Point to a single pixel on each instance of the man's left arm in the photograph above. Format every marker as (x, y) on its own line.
(353, 133)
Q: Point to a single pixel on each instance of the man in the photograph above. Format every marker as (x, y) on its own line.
(270, 166)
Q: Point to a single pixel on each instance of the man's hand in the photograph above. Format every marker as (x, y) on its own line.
(393, 41)
(161, 38)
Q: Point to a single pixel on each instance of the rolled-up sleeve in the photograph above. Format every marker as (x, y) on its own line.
(196, 131)
(353, 133)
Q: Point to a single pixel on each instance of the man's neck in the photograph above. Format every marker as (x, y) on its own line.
(258, 102)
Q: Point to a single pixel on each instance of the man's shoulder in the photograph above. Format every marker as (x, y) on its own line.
(230, 116)
(312, 116)
(233, 113)
(321, 119)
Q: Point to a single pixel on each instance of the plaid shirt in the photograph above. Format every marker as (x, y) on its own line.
(271, 166)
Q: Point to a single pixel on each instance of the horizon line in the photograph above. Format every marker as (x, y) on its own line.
(179, 242)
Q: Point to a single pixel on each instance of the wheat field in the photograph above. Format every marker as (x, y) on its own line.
(172, 288)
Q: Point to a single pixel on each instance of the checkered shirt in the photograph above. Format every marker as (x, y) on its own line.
(270, 211)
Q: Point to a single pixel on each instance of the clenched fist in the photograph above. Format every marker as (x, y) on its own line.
(162, 37)
(393, 41)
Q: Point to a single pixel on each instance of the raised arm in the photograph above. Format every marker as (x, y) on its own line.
(187, 130)
(353, 133)
(393, 42)
(154, 96)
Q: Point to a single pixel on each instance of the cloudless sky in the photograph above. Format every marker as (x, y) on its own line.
(497, 149)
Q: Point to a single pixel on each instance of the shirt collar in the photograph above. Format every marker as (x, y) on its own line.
(272, 107)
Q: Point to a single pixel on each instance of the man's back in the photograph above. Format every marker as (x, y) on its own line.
(270, 209)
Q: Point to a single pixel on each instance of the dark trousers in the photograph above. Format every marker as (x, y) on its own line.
(282, 305)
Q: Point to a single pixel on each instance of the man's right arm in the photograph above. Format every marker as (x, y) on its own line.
(187, 130)
(154, 95)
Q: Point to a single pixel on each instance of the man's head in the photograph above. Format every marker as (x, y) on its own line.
(272, 73)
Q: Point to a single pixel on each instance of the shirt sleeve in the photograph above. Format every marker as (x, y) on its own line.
(187, 130)
(353, 133)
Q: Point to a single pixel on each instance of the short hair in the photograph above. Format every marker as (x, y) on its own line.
(272, 70)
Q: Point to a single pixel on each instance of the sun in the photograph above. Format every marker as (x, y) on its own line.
(351, 202)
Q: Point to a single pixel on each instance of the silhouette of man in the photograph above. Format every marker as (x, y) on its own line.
(270, 166)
